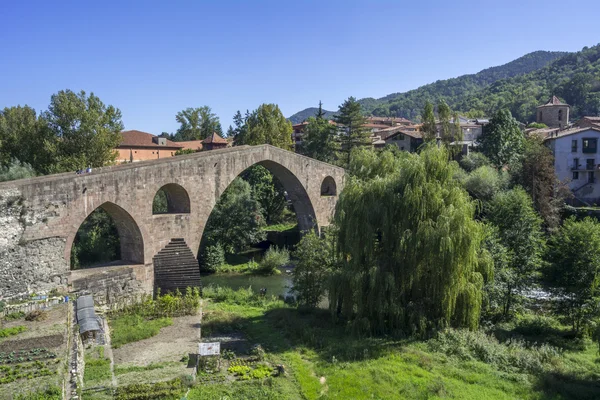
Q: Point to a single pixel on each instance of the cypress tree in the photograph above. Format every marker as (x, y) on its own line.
(353, 133)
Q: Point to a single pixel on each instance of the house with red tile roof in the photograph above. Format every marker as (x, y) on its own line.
(140, 146)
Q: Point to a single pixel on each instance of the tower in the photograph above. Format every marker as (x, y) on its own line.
(555, 114)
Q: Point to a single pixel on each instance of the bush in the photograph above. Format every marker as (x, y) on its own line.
(213, 257)
(16, 170)
(274, 259)
(510, 357)
(149, 391)
(473, 161)
(241, 296)
(168, 305)
(50, 393)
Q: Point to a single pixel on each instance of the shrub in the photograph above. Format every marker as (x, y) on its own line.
(213, 257)
(16, 170)
(274, 259)
(50, 393)
(515, 355)
(168, 305)
(241, 296)
(150, 391)
(484, 182)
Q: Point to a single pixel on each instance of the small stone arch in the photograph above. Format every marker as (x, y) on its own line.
(176, 198)
(130, 236)
(328, 187)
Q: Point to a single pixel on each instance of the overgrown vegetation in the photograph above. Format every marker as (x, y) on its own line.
(97, 367)
(274, 259)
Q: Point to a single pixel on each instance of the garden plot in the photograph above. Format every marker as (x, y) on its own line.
(34, 358)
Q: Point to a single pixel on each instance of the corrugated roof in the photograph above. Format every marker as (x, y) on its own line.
(144, 139)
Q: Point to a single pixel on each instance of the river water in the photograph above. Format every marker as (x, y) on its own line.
(275, 284)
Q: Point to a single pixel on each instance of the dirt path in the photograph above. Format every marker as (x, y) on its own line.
(171, 344)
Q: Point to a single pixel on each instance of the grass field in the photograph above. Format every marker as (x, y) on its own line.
(324, 361)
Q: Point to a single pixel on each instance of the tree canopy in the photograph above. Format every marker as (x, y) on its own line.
(502, 140)
(265, 125)
(413, 265)
(197, 124)
(352, 133)
(319, 140)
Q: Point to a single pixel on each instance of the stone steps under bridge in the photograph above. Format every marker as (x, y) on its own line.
(175, 267)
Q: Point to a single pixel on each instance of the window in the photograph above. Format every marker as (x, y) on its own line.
(540, 116)
(589, 145)
(589, 164)
(575, 175)
(591, 178)
(574, 146)
(576, 163)
(560, 115)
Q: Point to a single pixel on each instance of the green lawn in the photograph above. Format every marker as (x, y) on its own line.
(286, 226)
(324, 361)
(97, 367)
(129, 328)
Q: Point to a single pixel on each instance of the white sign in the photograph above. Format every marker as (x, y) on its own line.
(209, 349)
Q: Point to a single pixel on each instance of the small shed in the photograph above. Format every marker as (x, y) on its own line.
(86, 317)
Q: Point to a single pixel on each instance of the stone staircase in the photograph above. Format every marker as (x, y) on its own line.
(175, 267)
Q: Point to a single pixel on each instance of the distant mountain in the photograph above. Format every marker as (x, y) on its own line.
(309, 112)
(456, 91)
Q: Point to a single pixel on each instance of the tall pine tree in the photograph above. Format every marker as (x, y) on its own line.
(352, 131)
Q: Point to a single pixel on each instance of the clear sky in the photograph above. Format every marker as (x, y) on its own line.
(152, 59)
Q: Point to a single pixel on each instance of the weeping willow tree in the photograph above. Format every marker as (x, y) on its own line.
(411, 252)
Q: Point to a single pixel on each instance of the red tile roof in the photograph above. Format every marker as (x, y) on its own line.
(554, 101)
(214, 138)
(135, 138)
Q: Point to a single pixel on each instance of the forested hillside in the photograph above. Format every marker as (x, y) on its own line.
(519, 86)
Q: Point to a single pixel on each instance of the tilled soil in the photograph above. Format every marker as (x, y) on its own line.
(48, 342)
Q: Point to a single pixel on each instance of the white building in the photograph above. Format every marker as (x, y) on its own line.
(576, 160)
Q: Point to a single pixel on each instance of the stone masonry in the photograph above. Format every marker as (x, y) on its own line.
(39, 217)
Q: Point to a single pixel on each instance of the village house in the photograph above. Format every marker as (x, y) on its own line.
(575, 149)
(141, 146)
(404, 139)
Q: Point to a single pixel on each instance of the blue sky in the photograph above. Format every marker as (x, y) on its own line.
(152, 59)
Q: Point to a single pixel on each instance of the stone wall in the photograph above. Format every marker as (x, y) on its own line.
(26, 267)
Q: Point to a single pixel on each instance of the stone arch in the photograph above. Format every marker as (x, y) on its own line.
(296, 193)
(130, 235)
(328, 187)
(178, 200)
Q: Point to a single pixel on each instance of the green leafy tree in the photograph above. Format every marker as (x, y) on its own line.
(16, 170)
(473, 161)
(87, 130)
(197, 124)
(574, 271)
(352, 133)
(265, 125)
(268, 191)
(536, 174)
(236, 220)
(502, 140)
(444, 115)
(26, 137)
(319, 140)
(520, 232)
(429, 127)
(485, 182)
(213, 257)
(315, 262)
(409, 247)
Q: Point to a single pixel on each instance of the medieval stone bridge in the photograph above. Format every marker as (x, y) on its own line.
(40, 217)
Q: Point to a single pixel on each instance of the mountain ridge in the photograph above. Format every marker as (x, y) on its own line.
(409, 104)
